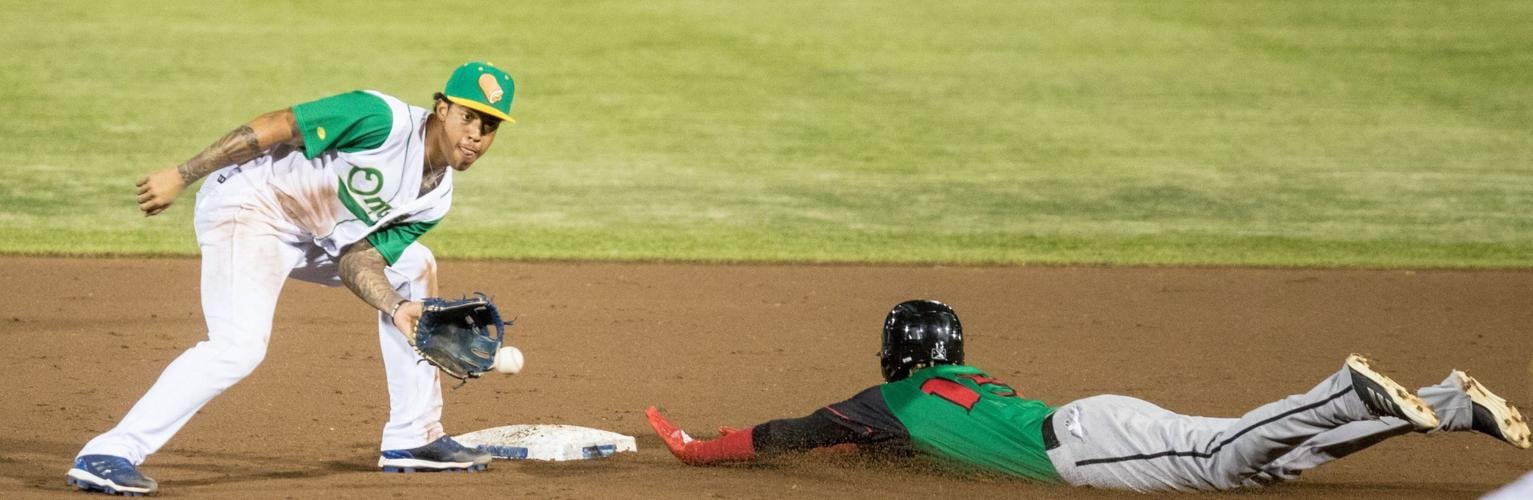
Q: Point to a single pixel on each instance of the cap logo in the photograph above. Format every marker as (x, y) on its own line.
(491, 88)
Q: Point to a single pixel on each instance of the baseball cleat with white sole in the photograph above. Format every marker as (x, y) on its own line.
(1494, 416)
(111, 475)
(1386, 398)
(442, 455)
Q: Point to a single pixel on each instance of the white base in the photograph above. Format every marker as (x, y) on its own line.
(548, 442)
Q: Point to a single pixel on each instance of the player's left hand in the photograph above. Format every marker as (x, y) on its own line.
(461, 337)
(406, 317)
(734, 445)
(158, 190)
(675, 439)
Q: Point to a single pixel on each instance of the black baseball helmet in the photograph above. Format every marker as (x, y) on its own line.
(917, 334)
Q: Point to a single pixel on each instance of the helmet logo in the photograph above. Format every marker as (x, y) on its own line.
(918, 334)
(491, 88)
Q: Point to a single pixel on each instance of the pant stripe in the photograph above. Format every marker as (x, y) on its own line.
(1215, 450)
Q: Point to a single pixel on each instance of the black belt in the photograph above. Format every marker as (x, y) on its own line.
(1050, 441)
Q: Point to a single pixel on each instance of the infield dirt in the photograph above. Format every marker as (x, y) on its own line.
(737, 345)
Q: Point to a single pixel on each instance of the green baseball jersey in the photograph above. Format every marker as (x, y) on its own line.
(962, 414)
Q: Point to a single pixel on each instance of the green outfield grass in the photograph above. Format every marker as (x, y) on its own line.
(1242, 132)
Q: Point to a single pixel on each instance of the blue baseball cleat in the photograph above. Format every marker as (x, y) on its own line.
(442, 455)
(110, 475)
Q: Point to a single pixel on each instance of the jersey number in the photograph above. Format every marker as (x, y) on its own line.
(962, 395)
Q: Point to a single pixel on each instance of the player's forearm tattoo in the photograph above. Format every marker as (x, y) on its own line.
(361, 269)
(239, 146)
(244, 144)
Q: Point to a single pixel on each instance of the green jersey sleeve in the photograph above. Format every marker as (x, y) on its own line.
(353, 121)
(391, 241)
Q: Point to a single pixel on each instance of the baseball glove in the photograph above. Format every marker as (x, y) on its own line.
(457, 337)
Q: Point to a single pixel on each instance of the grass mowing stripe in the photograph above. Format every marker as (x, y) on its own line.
(863, 247)
(1219, 132)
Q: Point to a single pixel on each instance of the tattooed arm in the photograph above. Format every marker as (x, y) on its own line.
(158, 190)
(361, 269)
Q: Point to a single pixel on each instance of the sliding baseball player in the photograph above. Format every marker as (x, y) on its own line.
(933, 406)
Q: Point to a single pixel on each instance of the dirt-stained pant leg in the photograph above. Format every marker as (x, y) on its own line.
(1119, 442)
(415, 388)
(244, 264)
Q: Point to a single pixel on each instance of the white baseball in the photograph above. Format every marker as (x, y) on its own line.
(508, 360)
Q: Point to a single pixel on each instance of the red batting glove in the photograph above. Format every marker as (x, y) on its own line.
(733, 446)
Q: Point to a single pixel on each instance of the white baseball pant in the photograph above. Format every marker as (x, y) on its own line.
(248, 252)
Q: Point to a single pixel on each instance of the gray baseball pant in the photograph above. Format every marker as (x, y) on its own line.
(1119, 442)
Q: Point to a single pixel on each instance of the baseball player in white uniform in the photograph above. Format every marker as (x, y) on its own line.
(334, 191)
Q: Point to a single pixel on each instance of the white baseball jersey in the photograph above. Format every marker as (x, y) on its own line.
(358, 176)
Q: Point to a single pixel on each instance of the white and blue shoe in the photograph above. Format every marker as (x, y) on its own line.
(442, 455)
(110, 475)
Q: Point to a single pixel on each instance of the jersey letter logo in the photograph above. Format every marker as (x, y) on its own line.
(363, 184)
(364, 181)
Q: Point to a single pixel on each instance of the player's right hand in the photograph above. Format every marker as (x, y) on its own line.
(158, 190)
